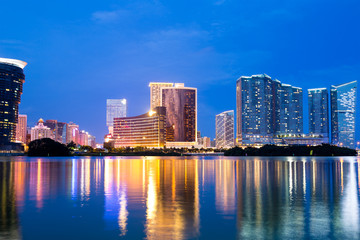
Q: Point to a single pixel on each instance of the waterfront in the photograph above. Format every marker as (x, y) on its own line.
(180, 198)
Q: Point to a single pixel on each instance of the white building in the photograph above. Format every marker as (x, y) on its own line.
(115, 108)
(40, 131)
(21, 128)
(225, 129)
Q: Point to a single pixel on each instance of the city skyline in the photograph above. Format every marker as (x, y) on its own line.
(80, 56)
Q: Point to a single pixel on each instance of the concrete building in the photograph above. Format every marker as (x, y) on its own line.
(21, 128)
(40, 131)
(72, 133)
(224, 129)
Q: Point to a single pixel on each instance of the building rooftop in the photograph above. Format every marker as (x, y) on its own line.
(14, 62)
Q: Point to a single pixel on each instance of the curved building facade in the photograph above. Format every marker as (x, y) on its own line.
(146, 130)
(11, 80)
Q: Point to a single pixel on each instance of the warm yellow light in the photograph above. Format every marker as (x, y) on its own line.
(151, 112)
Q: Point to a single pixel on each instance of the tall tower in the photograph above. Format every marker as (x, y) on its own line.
(115, 108)
(225, 129)
(155, 93)
(318, 102)
(21, 128)
(181, 114)
(343, 103)
(11, 80)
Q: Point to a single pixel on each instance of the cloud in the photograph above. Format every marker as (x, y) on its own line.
(219, 2)
(109, 16)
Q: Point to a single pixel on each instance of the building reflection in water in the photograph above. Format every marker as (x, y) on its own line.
(267, 197)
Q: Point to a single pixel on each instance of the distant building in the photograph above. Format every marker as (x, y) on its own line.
(72, 134)
(155, 93)
(147, 130)
(318, 102)
(181, 115)
(58, 130)
(83, 138)
(343, 102)
(40, 131)
(91, 141)
(300, 139)
(21, 128)
(115, 108)
(11, 80)
(225, 129)
(206, 142)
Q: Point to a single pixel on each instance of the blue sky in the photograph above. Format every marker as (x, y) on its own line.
(80, 53)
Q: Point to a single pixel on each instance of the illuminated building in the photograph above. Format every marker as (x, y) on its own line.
(155, 93)
(343, 102)
(318, 99)
(83, 138)
(146, 130)
(206, 142)
(115, 108)
(91, 141)
(225, 129)
(72, 133)
(21, 128)
(300, 139)
(181, 115)
(40, 131)
(291, 109)
(265, 107)
(255, 109)
(11, 80)
(58, 130)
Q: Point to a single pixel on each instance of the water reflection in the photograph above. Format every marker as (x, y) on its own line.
(177, 198)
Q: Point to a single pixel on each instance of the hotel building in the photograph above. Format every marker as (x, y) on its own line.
(343, 103)
(11, 80)
(264, 108)
(40, 131)
(155, 93)
(115, 108)
(72, 133)
(146, 130)
(21, 128)
(318, 102)
(181, 115)
(225, 129)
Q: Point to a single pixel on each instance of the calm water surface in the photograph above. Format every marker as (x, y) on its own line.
(179, 198)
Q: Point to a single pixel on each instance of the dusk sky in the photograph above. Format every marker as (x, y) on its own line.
(80, 53)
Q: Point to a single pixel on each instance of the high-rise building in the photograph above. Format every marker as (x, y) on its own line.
(225, 129)
(181, 115)
(155, 93)
(343, 102)
(58, 130)
(255, 109)
(72, 133)
(291, 110)
(83, 138)
(21, 128)
(91, 141)
(11, 80)
(40, 131)
(146, 130)
(115, 108)
(265, 107)
(318, 102)
(206, 142)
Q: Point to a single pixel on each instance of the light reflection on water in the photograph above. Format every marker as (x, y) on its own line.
(179, 198)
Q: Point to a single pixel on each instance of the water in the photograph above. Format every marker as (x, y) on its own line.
(179, 198)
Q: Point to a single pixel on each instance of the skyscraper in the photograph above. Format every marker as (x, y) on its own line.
(318, 102)
(225, 129)
(343, 102)
(72, 133)
(181, 115)
(58, 130)
(291, 110)
(255, 109)
(155, 93)
(11, 80)
(21, 128)
(115, 108)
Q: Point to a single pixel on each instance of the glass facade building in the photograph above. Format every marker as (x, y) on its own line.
(146, 130)
(225, 129)
(318, 105)
(11, 81)
(265, 107)
(291, 110)
(155, 93)
(115, 108)
(343, 103)
(181, 113)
